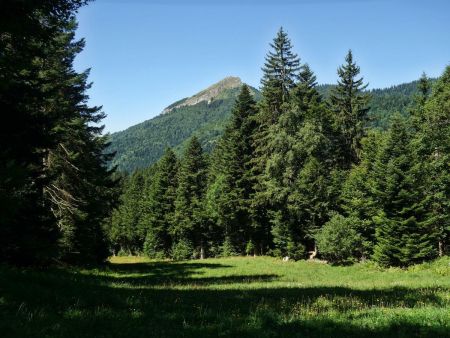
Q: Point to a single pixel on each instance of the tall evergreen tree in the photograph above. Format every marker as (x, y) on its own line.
(231, 186)
(80, 189)
(418, 112)
(349, 104)
(298, 168)
(160, 204)
(123, 233)
(358, 199)
(62, 181)
(433, 147)
(189, 227)
(280, 73)
(403, 235)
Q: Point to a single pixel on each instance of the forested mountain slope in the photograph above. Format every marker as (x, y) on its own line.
(203, 115)
(206, 113)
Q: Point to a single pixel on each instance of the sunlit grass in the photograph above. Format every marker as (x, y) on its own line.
(240, 296)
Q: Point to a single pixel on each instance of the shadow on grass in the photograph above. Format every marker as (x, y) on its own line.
(62, 303)
(162, 267)
(177, 274)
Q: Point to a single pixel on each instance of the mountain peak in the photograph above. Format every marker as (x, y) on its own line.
(207, 94)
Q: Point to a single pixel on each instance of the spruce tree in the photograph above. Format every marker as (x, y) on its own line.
(231, 187)
(433, 147)
(418, 112)
(280, 73)
(358, 199)
(160, 204)
(123, 233)
(349, 105)
(297, 172)
(403, 235)
(80, 190)
(189, 227)
(53, 140)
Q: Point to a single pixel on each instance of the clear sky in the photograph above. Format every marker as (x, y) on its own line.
(146, 54)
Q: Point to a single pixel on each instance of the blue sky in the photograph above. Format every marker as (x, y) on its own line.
(145, 55)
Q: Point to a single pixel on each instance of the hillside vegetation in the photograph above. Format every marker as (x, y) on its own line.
(307, 171)
(206, 114)
(143, 144)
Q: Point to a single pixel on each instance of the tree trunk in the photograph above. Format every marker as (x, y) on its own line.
(202, 252)
(441, 248)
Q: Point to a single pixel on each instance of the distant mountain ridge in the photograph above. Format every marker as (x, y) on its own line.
(206, 113)
(203, 114)
(208, 94)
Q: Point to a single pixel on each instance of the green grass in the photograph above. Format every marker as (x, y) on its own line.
(238, 297)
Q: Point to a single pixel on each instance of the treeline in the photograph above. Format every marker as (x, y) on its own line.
(300, 175)
(143, 144)
(55, 187)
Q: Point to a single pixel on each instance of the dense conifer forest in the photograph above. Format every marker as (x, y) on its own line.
(56, 190)
(291, 210)
(307, 171)
(298, 171)
(143, 144)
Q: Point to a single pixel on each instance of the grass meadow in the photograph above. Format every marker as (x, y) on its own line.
(229, 297)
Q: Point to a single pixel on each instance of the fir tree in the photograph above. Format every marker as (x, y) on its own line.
(403, 235)
(54, 139)
(189, 227)
(349, 105)
(123, 233)
(158, 217)
(79, 188)
(297, 171)
(433, 147)
(230, 187)
(358, 199)
(418, 112)
(280, 73)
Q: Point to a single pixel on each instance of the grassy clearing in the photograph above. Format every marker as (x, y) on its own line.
(239, 297)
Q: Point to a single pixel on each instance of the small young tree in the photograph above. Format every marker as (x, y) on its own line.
(338, 241)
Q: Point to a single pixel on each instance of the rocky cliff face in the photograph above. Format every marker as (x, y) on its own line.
(208, 94)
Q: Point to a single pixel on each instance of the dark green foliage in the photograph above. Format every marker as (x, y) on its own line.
(433, 147)
(279, 171)
(182, 249)
(158, 205)
(420, 98)
(54, 179)
(279, 73)
(124, 232)
(350, 111)
(297, 171)
(80, 189)
(143, 144)
(189, 225)
(403, 234)
(358, 198)
(279, 78)
(339, 240)
(28, 231)
(231, 187)
(305, 168)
